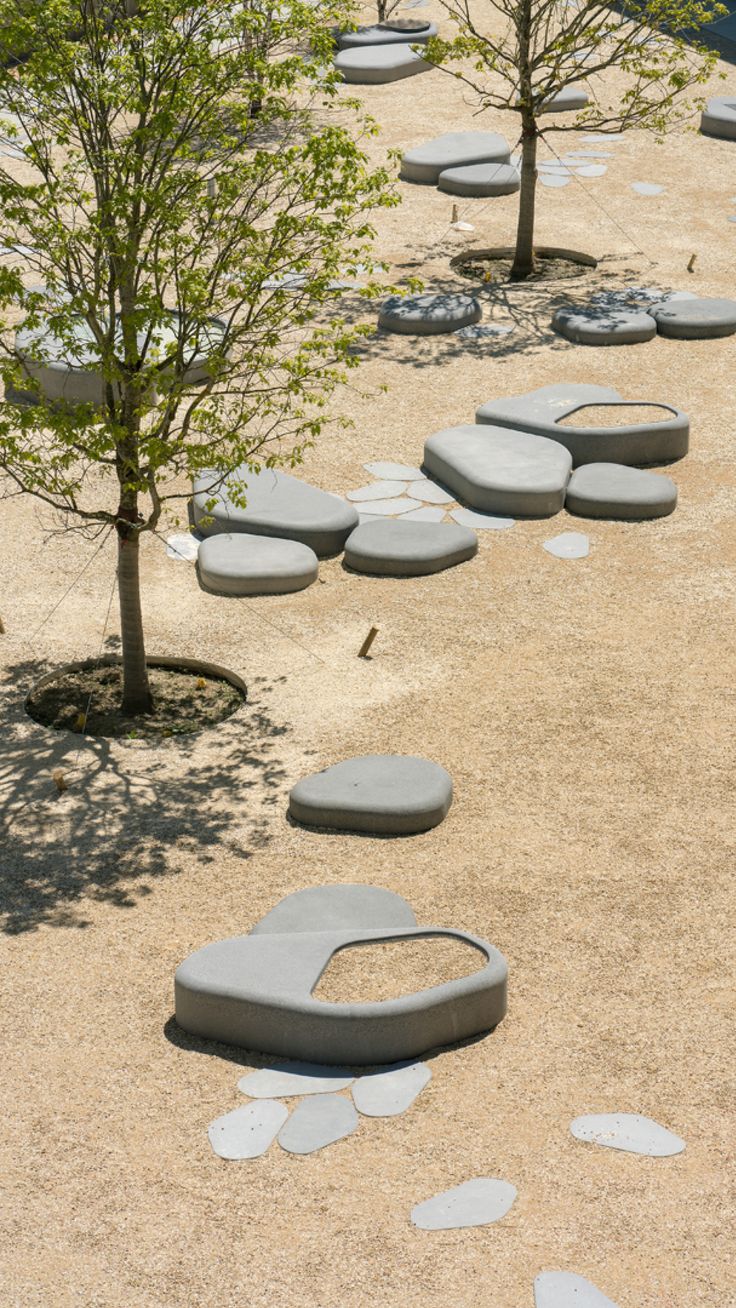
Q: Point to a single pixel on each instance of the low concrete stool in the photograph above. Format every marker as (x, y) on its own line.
(383, 794)
(374, 64)
(600, 326)
(414, 33)
(424, 163)
(428, 315)
(396, 548)
(719, 117)
(499, 471)
(277, 505)
(255, 991)
(573, 97)
(540, 411)
(695, 320)
(612, 490)
(255, 565)
(480, 180)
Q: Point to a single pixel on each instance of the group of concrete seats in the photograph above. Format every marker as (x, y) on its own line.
(719, 118)
(383, 52)
(463, 163)
(694, 318)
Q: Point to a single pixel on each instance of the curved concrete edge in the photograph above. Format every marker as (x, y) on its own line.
(492, 499)
(380, 76)
(383, 567)
(452, 185)
(371, 34)
(369, 823)
(582, 333)
(427, 326)
(339, 907)
(719, 119)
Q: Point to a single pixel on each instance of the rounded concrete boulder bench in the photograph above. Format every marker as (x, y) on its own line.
(425, 163)
(660, 440)
(484, 179)
(376, 64)
(276, 505)
(613, 490)
(255, 991)
(242, 564)
(500, 471)
(411, 32)
(383, 794)
(600, 326)
(719, 117)
(694, 320)
(566, 101)
(428, 315)
(396, 548)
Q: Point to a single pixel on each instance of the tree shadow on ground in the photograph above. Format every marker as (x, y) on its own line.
(130, 809)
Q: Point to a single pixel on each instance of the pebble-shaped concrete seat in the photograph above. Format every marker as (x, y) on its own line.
(664, 438)
(255, 991)
(500, 471)
(719, 117)
(414, 33)
(397, 548)
(374, 64)
(695, 320)
(424, 163)
(276, 505)
(565, 101)
(242, 564)
(613, 490)
(428, 315)
(486, 179)
(593, 325)
(383, 794)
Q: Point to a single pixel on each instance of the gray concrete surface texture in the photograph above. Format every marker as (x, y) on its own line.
(277, 505)
(377, 64)
(429, 314)
(397, 548)
(499, 471)
(378, 794)
(242, 564)
(425, 163)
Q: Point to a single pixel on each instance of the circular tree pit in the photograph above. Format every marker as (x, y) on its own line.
(494, 264)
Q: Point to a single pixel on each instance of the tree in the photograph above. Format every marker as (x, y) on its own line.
(516, 55)
(187, 250)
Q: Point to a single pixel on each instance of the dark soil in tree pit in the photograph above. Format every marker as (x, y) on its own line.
(498, 271)
(88, 701)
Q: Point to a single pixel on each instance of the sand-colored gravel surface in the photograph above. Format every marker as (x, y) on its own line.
(586, 713)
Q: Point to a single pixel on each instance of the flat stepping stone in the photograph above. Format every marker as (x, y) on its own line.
(500, 472)
(428, 315)
(424, 163)
(628, 1131)
(567, 1290)
(694, 320)
(591, 170)
(255, 565)
(276, 505)
(481, 521)
(383, 794)
(485, 179)
(397, 548)
(390, 1091)
(397, 471)
(719, 117)
(612, 490)
(318, 1122)
(430, 492)
(287, 1079)
(647, 188)
(182, 547)
(556, 179)
(568, 545)
(414, 31)
(565, 101)
(379, 490)
(375, 64)
(596, 325)
(248, 1131)
(427, 514)
(389, 508)
(473, 1203)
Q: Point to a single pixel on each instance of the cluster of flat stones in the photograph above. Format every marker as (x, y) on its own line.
(688, 317)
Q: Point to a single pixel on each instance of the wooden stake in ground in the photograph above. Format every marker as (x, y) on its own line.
(691, 263)
(363, 651)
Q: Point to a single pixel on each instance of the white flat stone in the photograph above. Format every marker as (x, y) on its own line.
(390, 1091)
(568, 545)
(317, 1122)
(591, 170)
(389, 508)
(554, 179)
(394, 471)
(378, 490)
(430, 492)
(603, 136)
(628, 1131)
(473, 1203)
(294, 1079)
(484, 331)
(647, 188)
(481, 521)
(424, 515)
(590, 154)
(182, 547)
(248, 1131)
(567, 1290)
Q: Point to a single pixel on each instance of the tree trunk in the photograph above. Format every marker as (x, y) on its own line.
(523, 265)
(136, 691)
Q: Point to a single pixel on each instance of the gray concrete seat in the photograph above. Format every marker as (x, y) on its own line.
(613, 490)
(695, 320)
(719, 117)
(374, 64)
(255, 565)
(276, 505)
(386, 34)
(428, 315)
(424, 163)
(485, 179)
(565, 101)
(384, 794)
(396, 548)
(596, 325)
(255, 991)
(660, 440)
(500, 471)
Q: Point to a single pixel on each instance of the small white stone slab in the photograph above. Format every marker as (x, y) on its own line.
(646, 188)
(422, 515)
(555, 166)
(462, 227)
(430, 492)
(473, 1203)
(483, 331)
(588, 154)
(567, 1290)
(554, 179)
(628, 1131)
(183, 547)
(379, 490)
(568, 545)
(603, 136)
(389, 508)
(394, 471)
(294, 1079)
(317, 1122)
(248, 1131)
(481, 521)
(391, 1091)
(591, 170)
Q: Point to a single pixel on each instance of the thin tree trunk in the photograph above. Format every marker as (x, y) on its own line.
(523, 265)
(136, 690)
